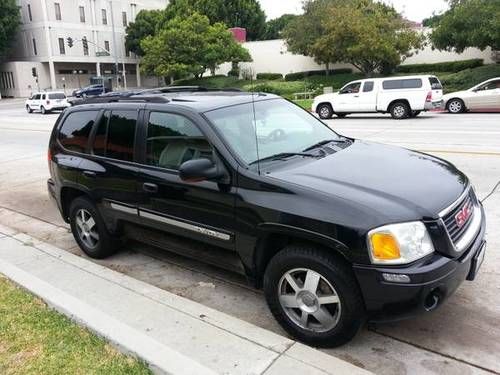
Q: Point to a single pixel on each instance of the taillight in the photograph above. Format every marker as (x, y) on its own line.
(429, 97)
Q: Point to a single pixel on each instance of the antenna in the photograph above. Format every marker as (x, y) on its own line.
(254, 120)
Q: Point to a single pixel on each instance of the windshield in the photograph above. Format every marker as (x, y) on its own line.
(280, 127)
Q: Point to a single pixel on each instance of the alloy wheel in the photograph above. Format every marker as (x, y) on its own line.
(87, 228)
(455, 106)
(399, 111)
(309, 300)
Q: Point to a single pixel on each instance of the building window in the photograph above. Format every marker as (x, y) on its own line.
(106, 45)
(62, 50)
(104, 17)
(127, 52)
(133, 9)
(30, 16)
(57, 8)
(85, 48)
(124, 19)
(34, 47)
(82, 14)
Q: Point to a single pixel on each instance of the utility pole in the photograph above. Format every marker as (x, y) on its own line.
(114, 39)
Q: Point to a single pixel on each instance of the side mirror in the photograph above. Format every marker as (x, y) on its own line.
(200, 170)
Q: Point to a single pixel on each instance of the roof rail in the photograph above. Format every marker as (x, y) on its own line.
(177, 89)
(121, 98)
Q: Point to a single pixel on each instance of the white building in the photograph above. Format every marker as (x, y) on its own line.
(42, 44)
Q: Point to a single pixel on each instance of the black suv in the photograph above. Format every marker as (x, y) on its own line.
(336, 230)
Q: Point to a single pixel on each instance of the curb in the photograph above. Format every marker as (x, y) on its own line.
(278, 354)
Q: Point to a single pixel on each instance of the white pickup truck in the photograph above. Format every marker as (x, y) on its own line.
(402, 97)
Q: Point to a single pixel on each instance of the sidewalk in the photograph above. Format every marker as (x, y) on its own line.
(172, 334)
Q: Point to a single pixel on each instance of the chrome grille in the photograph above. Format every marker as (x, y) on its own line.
(455, 231)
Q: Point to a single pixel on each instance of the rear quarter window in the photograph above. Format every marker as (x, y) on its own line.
(74, 132)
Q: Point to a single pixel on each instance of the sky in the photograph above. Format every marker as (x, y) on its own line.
(412, 9)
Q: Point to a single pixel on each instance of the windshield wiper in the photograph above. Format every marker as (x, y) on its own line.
(325, 142)
(283, 155)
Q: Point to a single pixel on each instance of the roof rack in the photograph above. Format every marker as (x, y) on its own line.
(177, 89)
(133, 98)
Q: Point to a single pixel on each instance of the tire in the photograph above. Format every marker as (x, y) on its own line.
(455, 106)
(400, 110)
(341, 320)
(89, 230)
(28, 109)
(43, 110)
(341, 115)
(325, 111)
(415, 114)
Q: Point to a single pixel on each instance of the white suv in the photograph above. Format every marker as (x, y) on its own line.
(47, 101)
(402, 97)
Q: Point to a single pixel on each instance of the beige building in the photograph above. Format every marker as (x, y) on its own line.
(42, 44)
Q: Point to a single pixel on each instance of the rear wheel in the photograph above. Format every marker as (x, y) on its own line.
(90, 231)
(314, 296)
(400, 110)
(455, 106)
(325, 111)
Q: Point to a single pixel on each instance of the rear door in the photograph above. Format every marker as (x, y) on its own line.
(201, 211)
(367, 100)
(109, 172)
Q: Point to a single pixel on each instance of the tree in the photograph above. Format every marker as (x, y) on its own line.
(468, 23)
(10, 19)
(275, 27)
(234, 13)
(145, 24)
(190, 45)
(370, 35)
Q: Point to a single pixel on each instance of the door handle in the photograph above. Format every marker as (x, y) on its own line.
(149, 187)
(89, 174)
(356, 96)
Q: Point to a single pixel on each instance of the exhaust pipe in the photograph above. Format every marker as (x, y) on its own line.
(432, 300)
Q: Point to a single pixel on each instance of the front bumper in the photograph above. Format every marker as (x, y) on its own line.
(432, 280)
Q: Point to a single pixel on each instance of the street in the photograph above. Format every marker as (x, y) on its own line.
(462, 336)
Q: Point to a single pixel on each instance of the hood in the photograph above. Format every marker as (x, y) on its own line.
(386, 183)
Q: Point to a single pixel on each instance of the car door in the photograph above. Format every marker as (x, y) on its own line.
(348, 98)
(367, 97)
(35, 102)
(201, 211)
(109, 172)
(485, 97)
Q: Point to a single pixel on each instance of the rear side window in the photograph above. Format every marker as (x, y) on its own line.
(74, 132)
(57, 95)
(395, 84)
(435, 84)
(368, 86)
(115, 135)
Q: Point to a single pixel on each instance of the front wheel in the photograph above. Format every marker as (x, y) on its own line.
(89, 230)
(43, 110)
(400, 110)
(28, 109)
(455, 106)
(325, 111)
(314, 296)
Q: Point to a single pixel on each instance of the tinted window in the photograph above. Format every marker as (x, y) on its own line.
(121, 135)
(36, 97)
(492, 85)
(368, 86)
(435, 84)
(172, 140)
(99, 147)
(74, 133)
(402, 84)
(57, 95)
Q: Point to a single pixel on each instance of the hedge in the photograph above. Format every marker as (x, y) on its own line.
(448, 66)
(269, 76)
(301, 75)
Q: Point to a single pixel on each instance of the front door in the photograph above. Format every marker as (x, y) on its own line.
(485, 97)
(201, 211)
(348, 98)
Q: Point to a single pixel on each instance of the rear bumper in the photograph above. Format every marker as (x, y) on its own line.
(438, 104)
(432, 281)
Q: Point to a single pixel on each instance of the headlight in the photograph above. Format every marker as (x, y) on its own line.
(399, 243)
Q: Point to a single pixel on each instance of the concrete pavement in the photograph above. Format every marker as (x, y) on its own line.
(460, 337)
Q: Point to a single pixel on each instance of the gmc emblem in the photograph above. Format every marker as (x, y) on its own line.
(463, 215)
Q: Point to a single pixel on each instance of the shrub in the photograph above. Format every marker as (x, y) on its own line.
(280, 88)
(469, 77)
(301, 75)
(233, 73)
(448, 66)
(269, 76)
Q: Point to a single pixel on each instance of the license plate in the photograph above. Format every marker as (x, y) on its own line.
(477, 261)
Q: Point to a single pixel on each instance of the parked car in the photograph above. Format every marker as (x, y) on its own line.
(402, 97)
(91, 90)
(46, 102)
(485, 97)
(335, 230)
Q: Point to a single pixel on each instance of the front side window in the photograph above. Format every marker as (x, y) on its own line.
(172, 140)
(57, 9)
(492, 85)
(277, 126)
(352, 88)
(121, 135)
(75, 131)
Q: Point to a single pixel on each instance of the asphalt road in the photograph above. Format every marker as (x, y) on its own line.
(463, 336)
